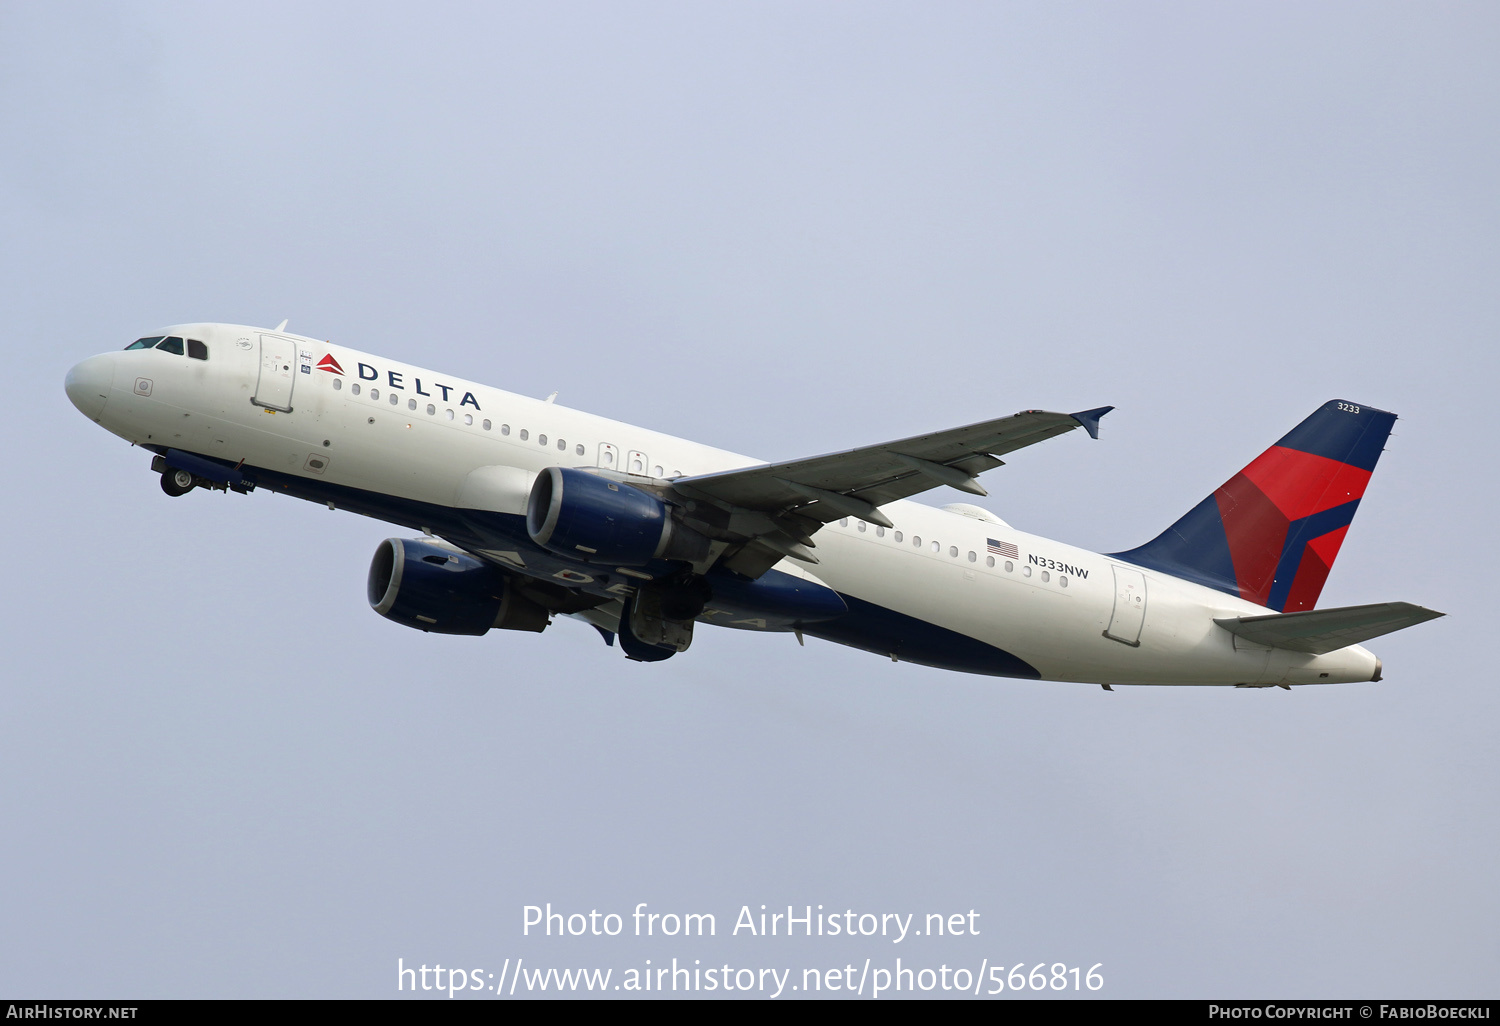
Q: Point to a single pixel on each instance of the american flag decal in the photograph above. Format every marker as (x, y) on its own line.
(1006, 549)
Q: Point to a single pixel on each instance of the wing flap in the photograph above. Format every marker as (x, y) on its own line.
(879, 474)
(1319, 631)
(763, 513)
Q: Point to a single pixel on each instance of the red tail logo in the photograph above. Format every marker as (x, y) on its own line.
(1270, 534)
(328, 363)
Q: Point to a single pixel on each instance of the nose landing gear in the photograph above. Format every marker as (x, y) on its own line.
(177, 482)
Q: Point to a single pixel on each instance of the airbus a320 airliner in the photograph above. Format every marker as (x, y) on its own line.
(528, 510)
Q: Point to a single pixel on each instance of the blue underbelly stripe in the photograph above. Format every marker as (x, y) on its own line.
(867, 626)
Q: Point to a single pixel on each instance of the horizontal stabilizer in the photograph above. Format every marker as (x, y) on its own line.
(1326, 630)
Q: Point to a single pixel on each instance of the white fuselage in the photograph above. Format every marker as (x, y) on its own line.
(402, 431)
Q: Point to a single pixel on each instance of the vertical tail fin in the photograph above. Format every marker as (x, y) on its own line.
(1270, 533)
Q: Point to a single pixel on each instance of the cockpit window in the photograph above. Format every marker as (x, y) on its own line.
(171, 344)
(197, 350)
(144, 343)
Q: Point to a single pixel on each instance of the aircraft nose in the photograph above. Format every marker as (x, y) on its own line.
(88, 384)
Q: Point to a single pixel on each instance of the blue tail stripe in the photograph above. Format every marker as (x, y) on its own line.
(1297, 536)
(1195, 548)
(1337, 432)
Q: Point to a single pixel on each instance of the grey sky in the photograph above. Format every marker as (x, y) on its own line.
(781, 229)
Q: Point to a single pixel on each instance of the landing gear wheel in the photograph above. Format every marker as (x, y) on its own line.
(177, 482)
(633, 647)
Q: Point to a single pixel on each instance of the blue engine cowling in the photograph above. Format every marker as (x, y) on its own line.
(591, 518)
(422, 585)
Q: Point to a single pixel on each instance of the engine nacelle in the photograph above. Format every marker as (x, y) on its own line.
(421, 585)
(591, 518)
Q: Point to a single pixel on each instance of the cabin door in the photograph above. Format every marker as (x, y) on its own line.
(278, 373)
(1130, 606)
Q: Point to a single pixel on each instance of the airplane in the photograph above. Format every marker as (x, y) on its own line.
(528, 510)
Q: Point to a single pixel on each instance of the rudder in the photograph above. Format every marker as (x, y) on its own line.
(1270, 534)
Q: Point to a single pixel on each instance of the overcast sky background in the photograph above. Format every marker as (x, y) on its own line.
(782, 229)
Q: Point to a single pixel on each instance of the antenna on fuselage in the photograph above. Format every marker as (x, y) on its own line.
(282, 325)
(551, 397)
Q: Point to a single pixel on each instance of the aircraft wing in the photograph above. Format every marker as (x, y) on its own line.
(1320, 631)
(778, 506)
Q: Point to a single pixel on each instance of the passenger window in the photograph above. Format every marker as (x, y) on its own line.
(374, 393)
(562, 446)
(395, 399)
(197, 350)
(541, 439)
(431, 409)
(953, 551)
(411, 404)
(171, 344)
(880, 532)
(897, 536)
(469, 418)
(505, 429)
(861, 525)
(486, 425)
(354, 388)
(338, 383)
(145, 343)
(578, 450)
(525, 434)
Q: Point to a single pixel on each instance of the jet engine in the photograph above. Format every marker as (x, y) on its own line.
(433, 588)
(591, 518)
